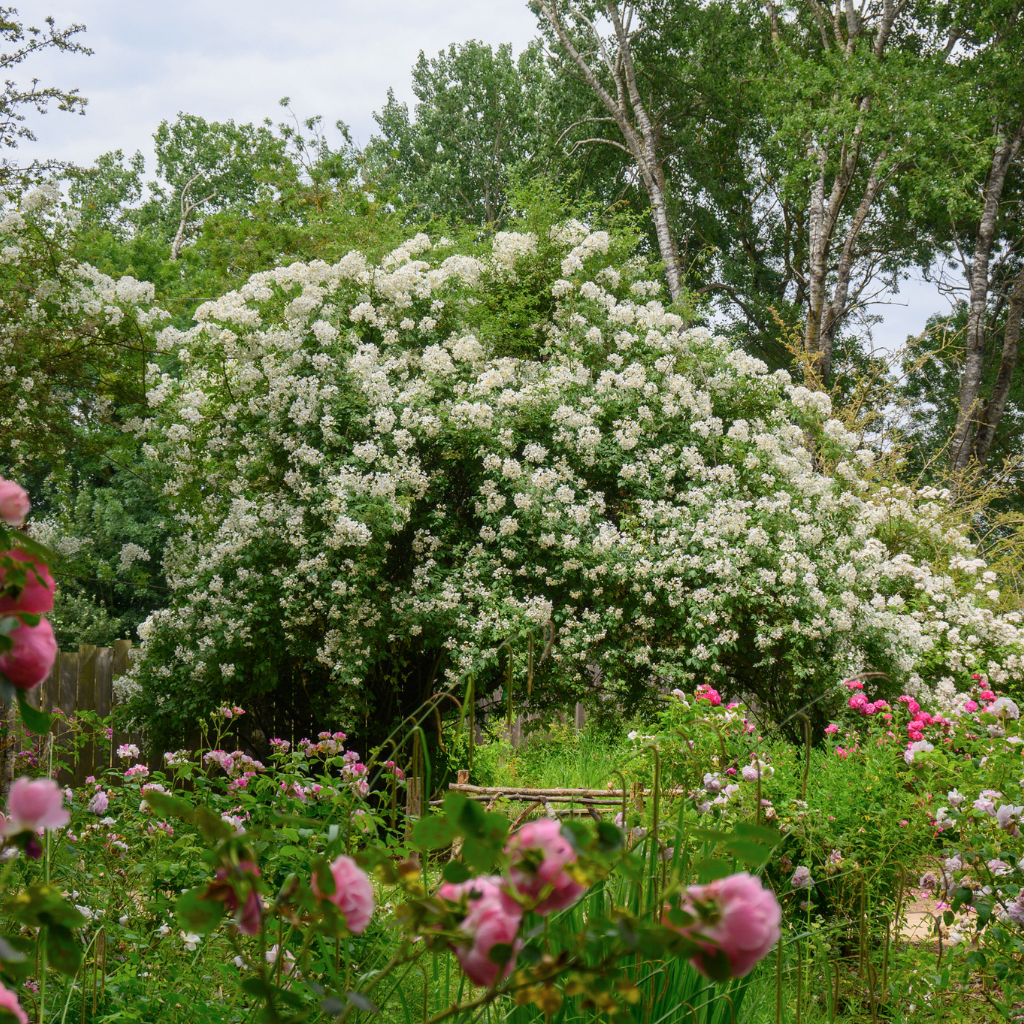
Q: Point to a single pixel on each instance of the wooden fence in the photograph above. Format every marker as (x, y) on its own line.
(82, 681)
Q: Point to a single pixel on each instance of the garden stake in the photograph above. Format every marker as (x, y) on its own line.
(778, 982)
(807, 753)
(799, 980)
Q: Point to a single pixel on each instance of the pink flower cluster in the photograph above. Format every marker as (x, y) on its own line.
(736, 917)
(26, 588)
(708, 693)
(492, 918)
(353, 894)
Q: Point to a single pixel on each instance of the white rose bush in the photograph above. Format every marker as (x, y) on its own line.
(380, 476)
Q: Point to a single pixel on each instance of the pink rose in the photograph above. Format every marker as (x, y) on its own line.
(492, 919)
(14, 503)
(36, 597)
(353, 894)
(736, 915)
(99, 803)
(8, 1000)
(248, 921)
(35, 805)
(539, 855)
(831, 729)
(29, 661)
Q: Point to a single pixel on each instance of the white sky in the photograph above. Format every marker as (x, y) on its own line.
(235, 59)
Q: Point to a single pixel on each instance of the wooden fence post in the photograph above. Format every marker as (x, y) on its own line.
(413, 802)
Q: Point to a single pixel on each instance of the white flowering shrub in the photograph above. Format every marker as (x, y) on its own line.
(376, 483)
(72, 339)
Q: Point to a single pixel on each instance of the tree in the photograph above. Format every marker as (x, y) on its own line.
(19, 44)
(204, 167)
(481, 119)
(609, 70)
(981, 223)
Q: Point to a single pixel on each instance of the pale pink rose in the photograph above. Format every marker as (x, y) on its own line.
(29, 661)
(14, 503)
(492, 919)
(741, 918)
(35, 805)
(99, 803)
(8, 1000)
(353, 893)
(36, 597)
(543, 878)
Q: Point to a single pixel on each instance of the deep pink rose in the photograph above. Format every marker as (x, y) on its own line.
(539, 855)
(8, 1000)
(831, 729)
(492, 919)
(14, 503)
(29, 661)
(36, 597)
(353, 894)
(738, 916)
(248, 921)
(971, 706)
(35, 805)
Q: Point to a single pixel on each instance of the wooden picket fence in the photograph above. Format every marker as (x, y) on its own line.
(82, 680)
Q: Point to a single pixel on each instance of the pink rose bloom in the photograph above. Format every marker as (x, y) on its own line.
(986, 695)
(708, 693)
(36, 597)
(744, 922)
(915, 734)
(248, 921)
(99, 803)
(35, 805)
(14, 503)
(858, 700)
(539, 855)
(867, 709)
(492, 919)
(29, 661)
(831, 729)
(353, 894)
(8, 1000)
(840, 752)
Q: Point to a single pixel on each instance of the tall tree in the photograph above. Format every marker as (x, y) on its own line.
(480, 118)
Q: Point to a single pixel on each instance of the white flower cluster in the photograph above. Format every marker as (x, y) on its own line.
(355, 464)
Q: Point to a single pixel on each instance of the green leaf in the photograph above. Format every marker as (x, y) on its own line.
(750, 853)
(63, 950)
(454, 871)
(34, 720)
(433, 833)
(9, 953)
(757, 833)
(197, 914)
(500, 953)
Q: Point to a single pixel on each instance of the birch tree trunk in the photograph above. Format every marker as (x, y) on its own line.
(962, 450)
(626, 108)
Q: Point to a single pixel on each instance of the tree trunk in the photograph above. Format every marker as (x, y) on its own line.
(990, 417)
(961, 448)
(642, 144)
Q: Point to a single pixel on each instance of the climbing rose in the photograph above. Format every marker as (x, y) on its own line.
(35, 805)
(29, 661)
(539, 855)
(737, 916)
(492, 919)
(36, 597)
(8, 1000)
(353, 894)
(14, 503)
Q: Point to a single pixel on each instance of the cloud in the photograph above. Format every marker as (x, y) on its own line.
(226, 59)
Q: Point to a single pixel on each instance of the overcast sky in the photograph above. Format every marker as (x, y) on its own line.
(235, 59)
